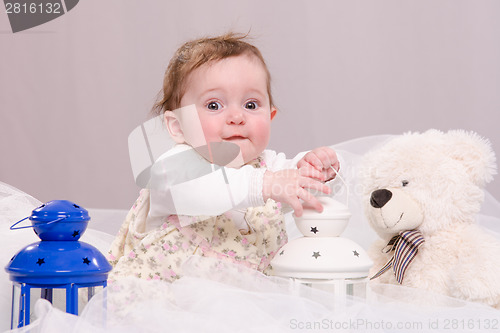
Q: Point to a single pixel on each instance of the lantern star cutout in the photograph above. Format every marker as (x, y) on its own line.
(356, 254)
(86, 260)
(40, 261)
(281, 253)
(316, 255)
(76, 233)
(314, 229)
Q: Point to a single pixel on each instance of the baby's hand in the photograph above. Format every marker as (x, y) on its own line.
(289, 186)
(321, 159)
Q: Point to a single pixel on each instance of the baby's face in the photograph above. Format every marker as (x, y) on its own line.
(232, 103)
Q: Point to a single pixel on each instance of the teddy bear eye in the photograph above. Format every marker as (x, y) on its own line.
(404, 183)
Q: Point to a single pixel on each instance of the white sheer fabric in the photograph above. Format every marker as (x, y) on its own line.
(219, 297)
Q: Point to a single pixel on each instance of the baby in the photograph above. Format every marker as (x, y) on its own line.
(217, 105)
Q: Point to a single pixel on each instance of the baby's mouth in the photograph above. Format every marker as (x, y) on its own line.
(235, 138)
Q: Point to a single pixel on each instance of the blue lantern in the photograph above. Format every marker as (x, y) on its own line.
(58, 268)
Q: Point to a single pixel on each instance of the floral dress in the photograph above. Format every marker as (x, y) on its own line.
(160, 253)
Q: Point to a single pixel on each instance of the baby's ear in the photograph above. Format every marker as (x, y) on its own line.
(273, 112)
(173, 126)
(475, 153)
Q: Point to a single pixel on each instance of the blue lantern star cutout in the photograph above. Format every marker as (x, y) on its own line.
(40, 261)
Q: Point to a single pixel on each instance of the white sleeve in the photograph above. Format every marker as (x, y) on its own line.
(278, 161)
(183, 183)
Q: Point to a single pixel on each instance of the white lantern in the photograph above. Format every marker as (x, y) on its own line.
(322, 258)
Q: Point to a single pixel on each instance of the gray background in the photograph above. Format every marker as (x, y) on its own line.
(73, 89)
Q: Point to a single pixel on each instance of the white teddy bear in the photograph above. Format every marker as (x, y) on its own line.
(421, 195)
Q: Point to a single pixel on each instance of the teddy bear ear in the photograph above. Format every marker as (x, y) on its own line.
(475, 153)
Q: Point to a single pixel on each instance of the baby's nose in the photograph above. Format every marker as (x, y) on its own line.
(235, 116)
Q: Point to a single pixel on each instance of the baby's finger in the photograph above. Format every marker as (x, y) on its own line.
(323, 155)
(310, 200)
(332, 155)
(313, 185)
(311, 172)
(296, 206)
(328, 156)
(314, 160)
(336, 165)
(330, 173)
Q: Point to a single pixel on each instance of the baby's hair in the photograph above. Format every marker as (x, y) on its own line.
(192, 55)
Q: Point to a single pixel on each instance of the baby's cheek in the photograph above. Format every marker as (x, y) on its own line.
(211, 131)
(262, 129)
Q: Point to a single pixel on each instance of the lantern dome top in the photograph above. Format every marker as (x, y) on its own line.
(58, 220)
(58, 262)
(59, 209)
(59, 257)
(332, 209)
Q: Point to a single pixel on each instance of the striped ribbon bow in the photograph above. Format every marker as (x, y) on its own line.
(405, 247)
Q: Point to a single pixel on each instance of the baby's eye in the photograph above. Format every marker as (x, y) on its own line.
(251, 105)
(214, 106)
(405, 183)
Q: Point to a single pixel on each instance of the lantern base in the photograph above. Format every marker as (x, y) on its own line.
(339, 287)
(322, 258)
(70, 298)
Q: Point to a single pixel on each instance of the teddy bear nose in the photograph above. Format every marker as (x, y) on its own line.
(380, 197)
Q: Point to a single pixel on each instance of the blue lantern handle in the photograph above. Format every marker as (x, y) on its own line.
(13, 227)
